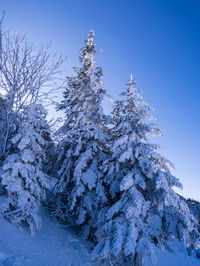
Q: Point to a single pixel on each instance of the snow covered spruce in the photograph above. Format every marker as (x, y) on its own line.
(145, 210)
(22, 178)
(84, 146)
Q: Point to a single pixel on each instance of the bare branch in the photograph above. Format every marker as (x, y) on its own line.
(1, 37)
(26, 73)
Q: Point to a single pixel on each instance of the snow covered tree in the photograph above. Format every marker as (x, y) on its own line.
(85, 137)
(22, 176)
(145, 210)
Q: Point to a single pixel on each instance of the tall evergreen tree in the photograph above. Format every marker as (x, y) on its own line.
(85, 138)
(145, 210)
(22, 177)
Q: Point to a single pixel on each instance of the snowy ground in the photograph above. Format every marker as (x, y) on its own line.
(55, 245)
(179, 258)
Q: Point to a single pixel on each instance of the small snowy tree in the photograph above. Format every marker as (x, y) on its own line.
(22, 176)
(145, 210)
(85, 138)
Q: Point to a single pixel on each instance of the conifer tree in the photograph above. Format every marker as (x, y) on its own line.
(22, 177)
(145, 210)
(85, 138)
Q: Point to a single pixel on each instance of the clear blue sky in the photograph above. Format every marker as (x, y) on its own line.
(157, 41)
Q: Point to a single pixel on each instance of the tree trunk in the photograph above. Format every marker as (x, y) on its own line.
(138, 259)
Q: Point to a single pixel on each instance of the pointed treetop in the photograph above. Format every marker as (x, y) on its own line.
(88, 51)
(89, 72)
(91, 34)
(130, 82)
(89, 42)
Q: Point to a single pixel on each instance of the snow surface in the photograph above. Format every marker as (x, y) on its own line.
(179, 258)
(57, 245)
(53, 245)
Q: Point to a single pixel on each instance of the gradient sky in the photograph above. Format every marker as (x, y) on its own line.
(157, 41)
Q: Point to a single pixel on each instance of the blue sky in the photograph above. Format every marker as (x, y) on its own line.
(157, 41)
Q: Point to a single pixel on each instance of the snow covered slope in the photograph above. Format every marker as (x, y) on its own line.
(55, 245)
(179, 258)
